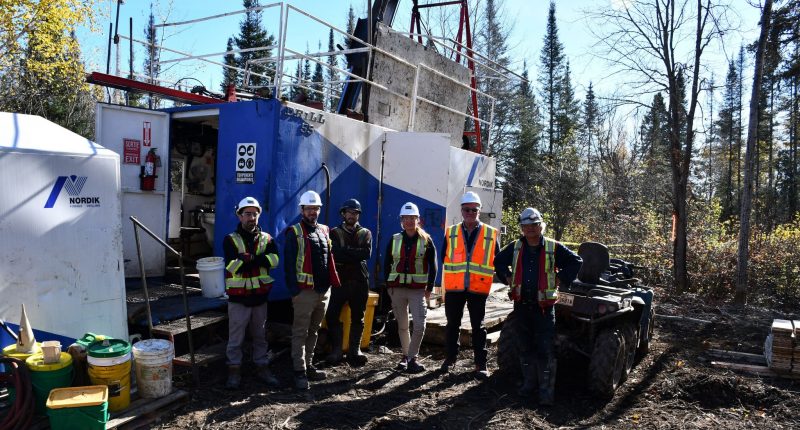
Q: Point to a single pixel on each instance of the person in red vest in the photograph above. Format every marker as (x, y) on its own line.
(468, 269)
(249, 255)
(410, 272)
(534, 266)
(310, 273)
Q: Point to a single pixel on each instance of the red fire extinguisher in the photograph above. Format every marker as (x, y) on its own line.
(148, 174)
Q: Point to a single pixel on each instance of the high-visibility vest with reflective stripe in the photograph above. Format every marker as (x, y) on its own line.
(255, 281)
(418, 278)
(547, 280)
(469, 270)
(303, 266)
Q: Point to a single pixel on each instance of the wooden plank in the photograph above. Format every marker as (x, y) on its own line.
(204, 319)
(436, 323)
(203, 356)
(141, 407)
(749, 368)
(782, 326)
(683, 319)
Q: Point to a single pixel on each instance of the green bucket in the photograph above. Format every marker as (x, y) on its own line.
(45, 377)
(78, 408)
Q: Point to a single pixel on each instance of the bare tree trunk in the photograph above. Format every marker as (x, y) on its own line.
(740, 297)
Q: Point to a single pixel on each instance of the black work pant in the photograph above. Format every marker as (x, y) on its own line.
(535, 331)
(454, 311)
(355, 294)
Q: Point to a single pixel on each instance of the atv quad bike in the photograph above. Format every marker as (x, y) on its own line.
(605, 315)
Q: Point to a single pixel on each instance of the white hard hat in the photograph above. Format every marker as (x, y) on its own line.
(409, 209)
(310, 198)
(530, 216)
(248, 202)
(471, 197)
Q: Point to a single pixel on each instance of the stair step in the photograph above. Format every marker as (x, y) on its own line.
(178, 326)
(205, 355)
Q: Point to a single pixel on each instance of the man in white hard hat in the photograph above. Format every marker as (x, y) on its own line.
(352, 247)
(249, 255)
(468, 269)
(310, 272)
(534, 266)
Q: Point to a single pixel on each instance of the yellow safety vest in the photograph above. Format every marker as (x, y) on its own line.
(418, 278)
(253, 281)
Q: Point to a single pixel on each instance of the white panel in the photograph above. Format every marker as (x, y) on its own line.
(470, 171)
(417, 163)
(114, 124)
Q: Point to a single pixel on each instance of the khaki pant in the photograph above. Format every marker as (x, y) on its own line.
(240, 319)
(402, 300)
(309, 309)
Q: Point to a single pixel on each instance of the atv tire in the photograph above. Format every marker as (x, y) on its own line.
(607, 363)
(631, 336)
(507, 355)
(644, 343)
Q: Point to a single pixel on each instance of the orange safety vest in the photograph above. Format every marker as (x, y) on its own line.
(305, 271)
(547, 279)
(255, 281)
(418, 276)
(469, 271)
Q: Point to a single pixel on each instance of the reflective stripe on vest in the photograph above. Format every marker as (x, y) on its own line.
(548, 290)
(469, 270)
(305, 276)
(235, 283)
(419, 278)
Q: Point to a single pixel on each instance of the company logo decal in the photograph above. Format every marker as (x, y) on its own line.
(73, 185)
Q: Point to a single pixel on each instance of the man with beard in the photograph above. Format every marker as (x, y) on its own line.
(249, 255)
(310, 272)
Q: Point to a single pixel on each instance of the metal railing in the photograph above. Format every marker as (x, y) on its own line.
(137, 225)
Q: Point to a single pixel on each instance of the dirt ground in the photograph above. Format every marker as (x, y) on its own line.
(674, 386)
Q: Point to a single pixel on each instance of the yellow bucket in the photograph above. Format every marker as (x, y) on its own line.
(110, 365)
(11, 351)
(369, 315)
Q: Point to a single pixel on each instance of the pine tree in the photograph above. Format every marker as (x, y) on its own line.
(727, 136)
(229, 74)
(520, 184)
(253, 35)
(318, 79)
(151, 66)
(551, 78)
(332, 96)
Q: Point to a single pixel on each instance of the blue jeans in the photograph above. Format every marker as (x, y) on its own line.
(535, 332)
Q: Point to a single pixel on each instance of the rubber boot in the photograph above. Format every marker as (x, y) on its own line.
(354, 355)
(335, 335)
(529, 378)
(547, 382)
(234, 377)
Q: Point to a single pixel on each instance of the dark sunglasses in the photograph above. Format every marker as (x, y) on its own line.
(472, 210)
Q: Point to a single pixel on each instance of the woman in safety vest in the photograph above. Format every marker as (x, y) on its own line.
(410, 271)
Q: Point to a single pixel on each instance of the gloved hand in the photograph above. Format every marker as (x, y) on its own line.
(246, 257)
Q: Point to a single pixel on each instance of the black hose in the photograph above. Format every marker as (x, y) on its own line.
(327, 192)
(20, 415)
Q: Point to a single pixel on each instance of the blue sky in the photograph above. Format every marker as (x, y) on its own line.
(525, 18)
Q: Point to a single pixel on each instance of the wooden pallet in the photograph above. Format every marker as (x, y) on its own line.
(436, 322)
(203, 356)
(178, 326)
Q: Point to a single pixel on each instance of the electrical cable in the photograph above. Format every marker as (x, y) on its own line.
(20, 415)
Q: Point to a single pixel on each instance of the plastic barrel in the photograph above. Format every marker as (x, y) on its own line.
(110, 364)
(153, 364)
(369, 314)
(212, 276)
(45, 377)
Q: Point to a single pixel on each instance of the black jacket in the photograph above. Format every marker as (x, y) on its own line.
(351, 251)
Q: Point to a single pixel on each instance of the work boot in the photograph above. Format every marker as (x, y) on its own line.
(266, 376)
(354, 356)
(313, 374)
(234, 377)
(547, 382)
(335, 356)
(529, 380)
(481, 372)
(300, 380)
(449, 365)
(402, 365)
(414, 367)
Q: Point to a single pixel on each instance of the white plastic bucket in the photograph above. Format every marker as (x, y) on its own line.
(153, 363)
(212, 276)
